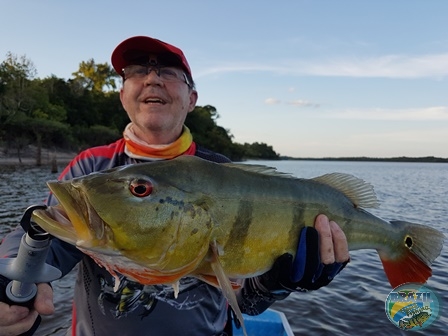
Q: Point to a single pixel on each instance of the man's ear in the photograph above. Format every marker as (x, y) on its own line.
(193, 100)
(121, 97)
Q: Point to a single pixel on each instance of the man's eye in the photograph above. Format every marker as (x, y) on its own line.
(139, 71)
(168, 73)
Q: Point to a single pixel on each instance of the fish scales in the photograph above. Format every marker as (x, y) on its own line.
(259, 227)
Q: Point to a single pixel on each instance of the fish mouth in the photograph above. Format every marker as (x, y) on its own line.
(73, 220)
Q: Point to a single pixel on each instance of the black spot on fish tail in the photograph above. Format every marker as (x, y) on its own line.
(408, 242)
(240, 227)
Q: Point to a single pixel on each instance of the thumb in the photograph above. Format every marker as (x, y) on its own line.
(44, 299)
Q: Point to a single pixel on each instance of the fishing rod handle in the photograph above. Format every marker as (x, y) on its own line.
(29, 267)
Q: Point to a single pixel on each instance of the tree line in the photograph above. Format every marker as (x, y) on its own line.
(86, 111)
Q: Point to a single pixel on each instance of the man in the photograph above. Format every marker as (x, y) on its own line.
(157, 93)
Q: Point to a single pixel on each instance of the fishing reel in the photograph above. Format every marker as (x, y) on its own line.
(29, 267)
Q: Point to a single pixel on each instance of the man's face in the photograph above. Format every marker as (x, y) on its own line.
(157, 107)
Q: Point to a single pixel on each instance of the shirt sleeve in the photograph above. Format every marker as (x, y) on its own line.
(10, 243)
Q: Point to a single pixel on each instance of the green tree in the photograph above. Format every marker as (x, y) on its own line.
(259, 150)
(78, 102)
(95, 135)
(45, 133)
(27, 115)
(16, 99)
(95, 76)
(81, 112)
(16, 74)
(202, 124)
(111, 112)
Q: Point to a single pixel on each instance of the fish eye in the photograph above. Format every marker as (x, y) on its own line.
(140, 187)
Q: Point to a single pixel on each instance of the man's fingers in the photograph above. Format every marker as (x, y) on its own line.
(15, 320)
(322, 225)
(333, 242)
(44, 299)
(11, 314)
(340, 246)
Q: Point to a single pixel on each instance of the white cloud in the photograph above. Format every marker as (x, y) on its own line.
(387, 66)
(271, 101)
(297, 102)
(302, 103)
(412, 114)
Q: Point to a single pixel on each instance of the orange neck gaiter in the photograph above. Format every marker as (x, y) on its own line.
(139, 149)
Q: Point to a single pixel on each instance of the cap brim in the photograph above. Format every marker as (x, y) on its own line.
(138, 48)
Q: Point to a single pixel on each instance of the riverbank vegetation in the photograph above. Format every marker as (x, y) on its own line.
(85, 111)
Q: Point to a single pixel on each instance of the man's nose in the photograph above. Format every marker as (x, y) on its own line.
(152, 78)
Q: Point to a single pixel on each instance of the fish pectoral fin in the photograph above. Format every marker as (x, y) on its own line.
(225, 284)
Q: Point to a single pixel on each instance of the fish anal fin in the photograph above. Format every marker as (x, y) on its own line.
(408, 268)
(225, 284)
(357, 190)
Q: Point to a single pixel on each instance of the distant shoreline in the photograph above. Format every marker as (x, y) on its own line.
(426, 159)
(11, 161)
(28, 157)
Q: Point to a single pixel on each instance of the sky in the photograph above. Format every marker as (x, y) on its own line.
(311, 78)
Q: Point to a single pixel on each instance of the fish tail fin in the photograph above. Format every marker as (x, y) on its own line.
(419, 247)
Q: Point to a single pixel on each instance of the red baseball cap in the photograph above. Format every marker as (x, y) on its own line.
(138, 48)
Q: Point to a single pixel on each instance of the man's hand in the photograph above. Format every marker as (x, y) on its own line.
(15, 320)
(322, 252)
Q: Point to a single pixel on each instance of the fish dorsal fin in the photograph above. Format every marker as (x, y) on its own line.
(357, 190)
(259, 169)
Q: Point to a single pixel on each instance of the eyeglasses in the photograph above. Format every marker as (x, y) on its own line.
(167, 74)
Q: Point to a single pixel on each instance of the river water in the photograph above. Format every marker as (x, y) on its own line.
(353, 304)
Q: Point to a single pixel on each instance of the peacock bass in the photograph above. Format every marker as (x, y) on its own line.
(158, 222)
